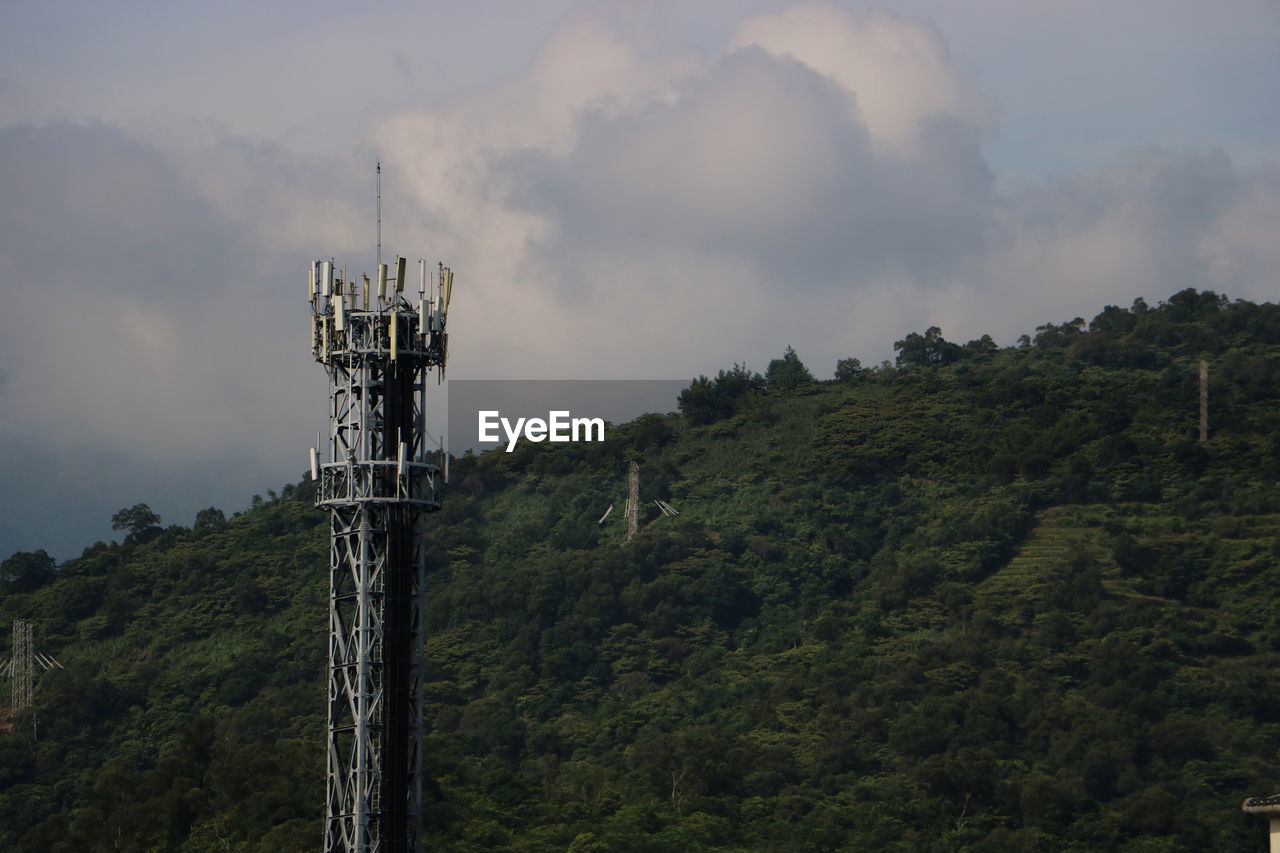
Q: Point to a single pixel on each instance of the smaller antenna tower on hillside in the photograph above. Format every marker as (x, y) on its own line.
(21, 666)
(632, 511)
(633, 500)
(23, 678)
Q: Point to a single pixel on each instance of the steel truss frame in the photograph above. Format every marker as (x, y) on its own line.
(22, 672)
(378, 487)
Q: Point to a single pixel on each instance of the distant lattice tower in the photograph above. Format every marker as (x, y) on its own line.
(633, 499)
(21, 666)
(379, 479)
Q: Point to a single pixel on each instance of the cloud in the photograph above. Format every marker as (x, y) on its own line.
(1154, 223)
(601, 179)
(757, 157)
(822, 179)
(144, 331)
(900, 72)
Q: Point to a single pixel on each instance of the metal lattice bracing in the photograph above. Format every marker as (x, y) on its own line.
(378, 479)
(23, 673)
(21, 666)
(633, 499)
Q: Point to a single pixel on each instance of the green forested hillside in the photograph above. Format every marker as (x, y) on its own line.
(981, 599)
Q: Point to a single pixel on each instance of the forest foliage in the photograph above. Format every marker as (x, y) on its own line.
(979, 599)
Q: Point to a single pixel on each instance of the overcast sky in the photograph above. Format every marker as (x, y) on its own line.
(623, 189)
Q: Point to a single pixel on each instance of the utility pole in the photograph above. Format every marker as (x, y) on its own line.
(378, 479)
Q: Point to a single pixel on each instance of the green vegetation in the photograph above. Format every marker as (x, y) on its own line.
(981, 599)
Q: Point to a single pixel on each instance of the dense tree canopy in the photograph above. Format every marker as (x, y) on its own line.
(139, 520)
(787, 372)
(984, 600)
(26, 571)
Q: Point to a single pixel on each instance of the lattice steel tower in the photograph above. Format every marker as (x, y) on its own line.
(20, 666)
(378, 479)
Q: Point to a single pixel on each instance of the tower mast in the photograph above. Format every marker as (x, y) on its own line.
(633, 499)
(379, 480)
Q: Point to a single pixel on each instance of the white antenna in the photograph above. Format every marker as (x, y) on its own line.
(424, 308)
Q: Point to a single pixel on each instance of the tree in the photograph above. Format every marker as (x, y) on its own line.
(209, 520)
(981, 346)
(848, 369)
(697, 402)
(1114, 319)
(787, 372)
(1050, 335)
(142, 524)
(708, 400)
(26, 571)
(927, 349)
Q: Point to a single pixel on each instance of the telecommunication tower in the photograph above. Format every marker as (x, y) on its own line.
(633, 500)
(23, 681)
(20, 666)
(379, 479)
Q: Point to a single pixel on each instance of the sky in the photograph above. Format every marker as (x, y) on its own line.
(624, 190)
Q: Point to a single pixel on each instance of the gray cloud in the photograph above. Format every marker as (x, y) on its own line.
(1154, 223)
(764, 159)
(95, 211)
(142, 338)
